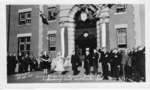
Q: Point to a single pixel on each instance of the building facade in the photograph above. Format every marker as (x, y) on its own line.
(63, 28)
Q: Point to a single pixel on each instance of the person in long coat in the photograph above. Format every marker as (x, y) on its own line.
(26, 62)
(14, 62)
(75, 63)
(20, 69)
(140, 63)
(116, 64)
(105, 59)
(9, 66)
(87, 62)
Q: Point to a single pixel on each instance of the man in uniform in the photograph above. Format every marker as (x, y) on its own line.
(104, 60)
(116, 62)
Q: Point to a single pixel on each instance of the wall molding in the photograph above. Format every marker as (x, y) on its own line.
(24, 34)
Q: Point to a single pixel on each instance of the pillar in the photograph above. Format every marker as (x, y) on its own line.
(71, 39)
(40, 32)
(98, 27)
(62, 42)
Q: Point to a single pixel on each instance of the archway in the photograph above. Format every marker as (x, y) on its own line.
(85, 32)
(96, 14)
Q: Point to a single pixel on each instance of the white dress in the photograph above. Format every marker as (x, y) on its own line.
(59, 64)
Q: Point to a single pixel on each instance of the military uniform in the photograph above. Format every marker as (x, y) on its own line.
(104, 60)
(116, 61)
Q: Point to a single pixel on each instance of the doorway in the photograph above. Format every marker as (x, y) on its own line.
(85, 35)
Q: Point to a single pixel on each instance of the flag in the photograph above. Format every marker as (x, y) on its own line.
(44, 19)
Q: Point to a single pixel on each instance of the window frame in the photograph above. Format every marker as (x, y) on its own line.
(52, 52)
(27, 20)
(117, 28)
(52, 10)
(119, 7)
(121, 36)
(52, 39)
(25, 43)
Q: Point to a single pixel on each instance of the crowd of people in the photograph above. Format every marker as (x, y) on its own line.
(21, 63)
(127, 64)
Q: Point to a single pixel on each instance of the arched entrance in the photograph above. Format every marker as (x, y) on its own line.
(95, 24)
(85, 31)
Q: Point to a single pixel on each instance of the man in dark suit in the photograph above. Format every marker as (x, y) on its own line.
(9, 64)
(140, 63)
(116, 63)
(87, 62)
(75, 63)
(104, 60)
(14, 62)
(95, 57)
(20, 61)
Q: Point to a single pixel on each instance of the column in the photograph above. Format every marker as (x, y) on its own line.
(98, 34)
(103, 35)
(104, 19)
(62, 41)
(40, 32)
(71, 40)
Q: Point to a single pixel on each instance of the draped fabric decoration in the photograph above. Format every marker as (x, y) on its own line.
(44, 18)
(91, 10)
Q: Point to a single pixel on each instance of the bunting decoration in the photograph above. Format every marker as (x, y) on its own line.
(44, 19)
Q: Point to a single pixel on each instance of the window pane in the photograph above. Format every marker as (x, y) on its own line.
(21, 47)
(122, 37)
(28, 52)
(22, 16)
(22, 53)
(52, 42)
(52, 48)
(22, 39)
(28, 39)
(28, 47)
(120, 8)
(22, 22)
(52, 13)
(28, 20)
(28, 14)
(122, 46)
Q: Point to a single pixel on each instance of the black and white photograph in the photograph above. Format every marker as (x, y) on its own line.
(75, 43)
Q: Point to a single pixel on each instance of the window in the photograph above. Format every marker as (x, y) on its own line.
(52, 42)
(52, 13)
(24, 45)
(120, 8)
(28, 17)
(122, 37)
(24, 18)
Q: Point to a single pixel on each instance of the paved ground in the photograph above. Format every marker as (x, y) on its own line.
(56, 77)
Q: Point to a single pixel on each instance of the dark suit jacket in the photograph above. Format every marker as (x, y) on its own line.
(75, 60)
(105, 57)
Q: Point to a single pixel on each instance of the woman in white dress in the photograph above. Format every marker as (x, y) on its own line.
(59, 63)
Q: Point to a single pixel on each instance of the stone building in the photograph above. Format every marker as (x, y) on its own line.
(62, 28)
